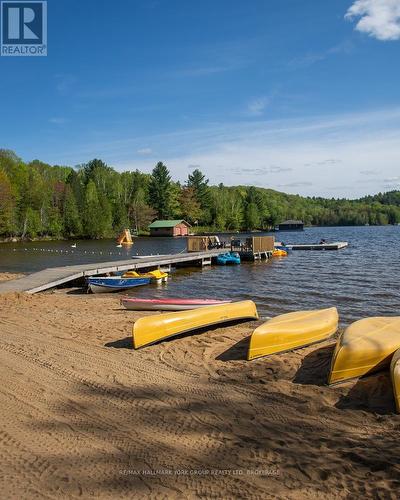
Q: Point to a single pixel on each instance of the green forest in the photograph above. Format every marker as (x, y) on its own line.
(93, 200)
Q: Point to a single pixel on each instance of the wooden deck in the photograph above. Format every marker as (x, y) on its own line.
(337, 245)
(52, 277)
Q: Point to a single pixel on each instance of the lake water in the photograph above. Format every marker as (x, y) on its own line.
(361, 280)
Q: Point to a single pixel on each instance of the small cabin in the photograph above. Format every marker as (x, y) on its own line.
(169, 228)
(291, 225)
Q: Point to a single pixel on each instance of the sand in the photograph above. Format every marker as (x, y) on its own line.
(10, 276)
(83, 414)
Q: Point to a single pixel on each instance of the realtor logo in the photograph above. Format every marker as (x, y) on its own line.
(23, 28)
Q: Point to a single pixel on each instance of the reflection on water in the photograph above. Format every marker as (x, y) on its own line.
(361, 280)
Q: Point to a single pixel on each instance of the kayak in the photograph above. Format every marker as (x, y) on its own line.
(153, 328)
(365, 346)
(137, 304)
(282, 247)
(278, 252)
(114, 283)
(395, 376)
(292, 331)
(155, 276)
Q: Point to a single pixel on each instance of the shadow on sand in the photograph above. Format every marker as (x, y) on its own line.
(237, 352)
(372, 394)
(125, 343)
(314, 369)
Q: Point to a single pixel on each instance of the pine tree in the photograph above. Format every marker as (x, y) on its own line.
(160, 191)
(198, 182)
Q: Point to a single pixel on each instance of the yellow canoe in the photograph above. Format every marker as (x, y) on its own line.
(153, 328)
(395, 376)
(292, 330)
(364, 347)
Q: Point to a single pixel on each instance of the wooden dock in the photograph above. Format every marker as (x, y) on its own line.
(337, 245)
(55, 276)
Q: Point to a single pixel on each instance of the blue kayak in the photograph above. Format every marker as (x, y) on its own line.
(227, 258)
(115, 283)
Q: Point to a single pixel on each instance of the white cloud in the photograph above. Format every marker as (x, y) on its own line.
(369, 172)
(393, 179)
(296, 184)
(316, 155)
(307, 60)
(144, 151)
(378, 18)
(257, 106)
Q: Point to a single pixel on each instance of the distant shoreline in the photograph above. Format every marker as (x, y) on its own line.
(19, 239)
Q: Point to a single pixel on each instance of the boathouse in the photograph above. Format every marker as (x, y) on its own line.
(291, 225)
(169, 228)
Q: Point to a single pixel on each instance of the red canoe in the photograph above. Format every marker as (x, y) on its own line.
(168, 304)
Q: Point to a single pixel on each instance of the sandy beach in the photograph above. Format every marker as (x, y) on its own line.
(83, 414)
(10, 276)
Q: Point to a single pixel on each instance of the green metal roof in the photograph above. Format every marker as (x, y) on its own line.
(166, 223)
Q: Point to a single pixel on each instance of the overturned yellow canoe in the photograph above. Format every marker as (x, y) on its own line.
(151, 329)
(395, 376)
(366, 346)
(292, 330)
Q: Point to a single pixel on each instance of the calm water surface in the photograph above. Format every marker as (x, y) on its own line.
(361, 280)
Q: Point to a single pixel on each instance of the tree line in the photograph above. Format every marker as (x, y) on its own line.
(95, 201)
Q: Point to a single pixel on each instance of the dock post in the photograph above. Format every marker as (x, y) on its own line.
(165, 269)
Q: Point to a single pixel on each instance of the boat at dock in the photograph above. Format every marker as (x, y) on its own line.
(364, 347)
(228, 258)
(151, 329)
(138, 304)
(114, 283)
(278, 252)
(156, 276)
(292, 331)
(281, 246)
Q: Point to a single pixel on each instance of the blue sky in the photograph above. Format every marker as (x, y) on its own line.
(302, 96)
